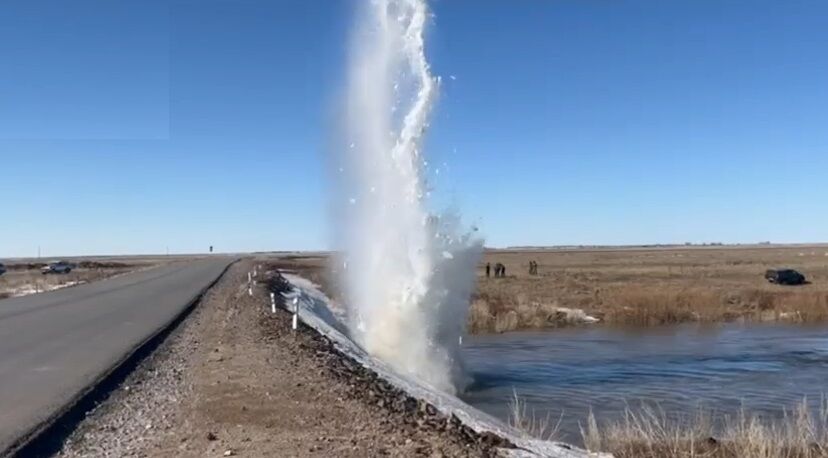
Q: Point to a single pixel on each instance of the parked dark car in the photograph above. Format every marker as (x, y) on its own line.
(785, 277)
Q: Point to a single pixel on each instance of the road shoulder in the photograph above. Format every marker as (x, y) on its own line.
(234, 380)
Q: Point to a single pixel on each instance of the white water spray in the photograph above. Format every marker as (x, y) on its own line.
(408, 275)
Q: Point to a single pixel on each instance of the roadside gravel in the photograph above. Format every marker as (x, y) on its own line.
(233, 380)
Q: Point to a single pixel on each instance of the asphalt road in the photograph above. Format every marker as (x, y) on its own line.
(54, 345)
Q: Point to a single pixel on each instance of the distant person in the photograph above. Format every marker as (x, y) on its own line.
(211, 248)
(488, 270)
(500, 270)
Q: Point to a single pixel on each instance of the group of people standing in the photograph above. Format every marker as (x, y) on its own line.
(499, 270)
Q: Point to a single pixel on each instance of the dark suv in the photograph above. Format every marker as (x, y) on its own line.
(785, 277)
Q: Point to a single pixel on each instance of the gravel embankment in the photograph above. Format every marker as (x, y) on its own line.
(234, 380)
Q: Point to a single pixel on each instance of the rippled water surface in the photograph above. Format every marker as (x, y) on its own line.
(763, 367)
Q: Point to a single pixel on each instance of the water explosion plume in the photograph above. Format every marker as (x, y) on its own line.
(408, 275)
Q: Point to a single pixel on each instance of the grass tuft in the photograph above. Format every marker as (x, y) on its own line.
(651, 433)
(529, 423)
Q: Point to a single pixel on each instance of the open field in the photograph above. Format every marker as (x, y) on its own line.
(634, 286)
(650, 286)
(24, 277)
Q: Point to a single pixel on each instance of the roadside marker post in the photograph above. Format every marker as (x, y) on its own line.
(295, 313)
(273, 302)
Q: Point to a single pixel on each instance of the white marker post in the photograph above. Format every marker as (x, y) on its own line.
(273, 302)
(295, 313)
(249, 284)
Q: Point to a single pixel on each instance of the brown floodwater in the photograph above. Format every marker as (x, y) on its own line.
(764, 368)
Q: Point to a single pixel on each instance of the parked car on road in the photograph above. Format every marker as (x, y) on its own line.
(57, 267)
(784, 277)
(2, 268)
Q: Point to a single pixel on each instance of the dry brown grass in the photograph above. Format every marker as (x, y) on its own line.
(313, 268)
(501, 313)
(632, 286)
(650, 287)
(530, 424)
(27, 279)
(651, 433)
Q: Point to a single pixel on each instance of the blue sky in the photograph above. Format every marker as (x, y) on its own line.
(131, 127)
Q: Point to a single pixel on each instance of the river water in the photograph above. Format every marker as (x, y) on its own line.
(763, 367)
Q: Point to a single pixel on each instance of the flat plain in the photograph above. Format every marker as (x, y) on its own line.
(649, 286)
(632, 286)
